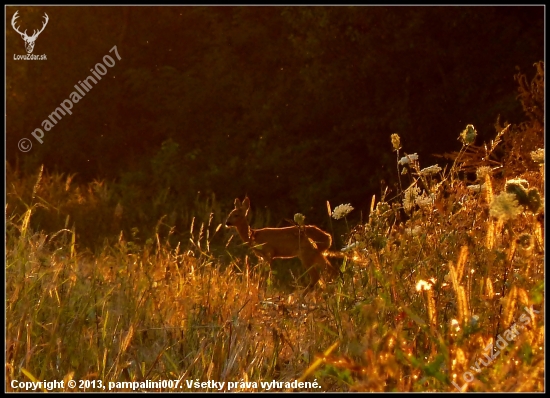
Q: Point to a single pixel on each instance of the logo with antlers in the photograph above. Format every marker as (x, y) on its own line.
(29, 40)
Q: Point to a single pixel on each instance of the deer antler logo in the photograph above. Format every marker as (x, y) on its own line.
(29, 40)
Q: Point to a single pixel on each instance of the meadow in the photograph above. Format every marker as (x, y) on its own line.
(441, 287)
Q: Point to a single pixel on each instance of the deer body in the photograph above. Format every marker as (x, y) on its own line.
(307, 243)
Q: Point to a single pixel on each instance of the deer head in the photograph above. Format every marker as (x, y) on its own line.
(29, 40)
(239, 213)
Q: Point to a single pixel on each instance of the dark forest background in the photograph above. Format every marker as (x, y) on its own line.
(293, 106)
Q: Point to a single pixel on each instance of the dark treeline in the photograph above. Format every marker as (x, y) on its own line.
(290, 105)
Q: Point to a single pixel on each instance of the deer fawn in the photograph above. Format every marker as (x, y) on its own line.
(308, 243)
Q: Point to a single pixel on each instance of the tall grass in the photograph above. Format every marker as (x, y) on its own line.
(442, 289)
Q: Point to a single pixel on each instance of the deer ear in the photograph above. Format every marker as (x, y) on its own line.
(237, 203)
(246, 203)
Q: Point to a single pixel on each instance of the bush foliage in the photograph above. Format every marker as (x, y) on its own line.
(290, 105)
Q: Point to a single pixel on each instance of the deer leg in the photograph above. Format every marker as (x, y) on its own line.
(313, 278)
(332, 270)
(309, 257)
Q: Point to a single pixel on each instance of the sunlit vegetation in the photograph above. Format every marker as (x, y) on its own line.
(440, 273)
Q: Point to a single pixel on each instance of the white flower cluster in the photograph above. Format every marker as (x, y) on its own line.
(505, 206)
(341, 211)
(423, 285)
(425, 200)
(520, 182)
(414, 231)
(354, 246)
(408, 159)
(430, 170)
(477, 188)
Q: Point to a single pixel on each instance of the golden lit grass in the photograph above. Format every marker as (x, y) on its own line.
(135, 313)
(452, 298)
(413, 313)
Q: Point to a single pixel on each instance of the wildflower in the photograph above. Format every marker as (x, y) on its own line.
(505, 206)
(354, 246)
(483, 171)
(410, 196)
(455, 325)
(424, 200)
(518, 187)
(423, 285)
(538, 155)
(396, 141)
(414, 231)
(341, 211)
(299, 218)
(430, 170)
(517, 182)
(477, 188)
(468, 135)
(407, 159)
(382, 207)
